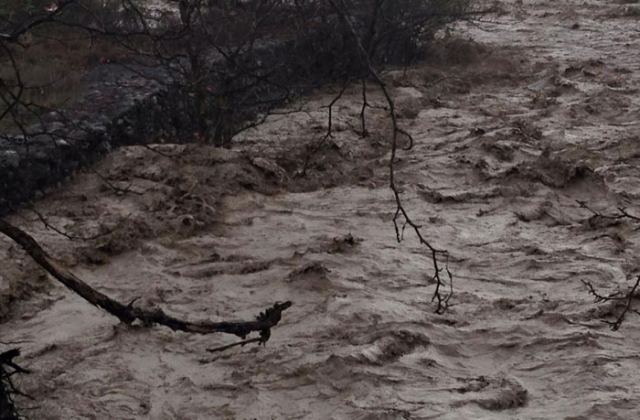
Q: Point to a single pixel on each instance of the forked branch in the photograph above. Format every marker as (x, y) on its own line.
(8, 368)
(440, 296)
(128, 314)
(622, 213)
(626, 297)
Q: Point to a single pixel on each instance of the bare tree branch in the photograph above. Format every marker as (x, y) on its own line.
(626, 297)
(128, 313)
(8, 368)
(441, 298)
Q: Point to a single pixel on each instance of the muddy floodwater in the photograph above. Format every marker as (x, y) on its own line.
(513, 131)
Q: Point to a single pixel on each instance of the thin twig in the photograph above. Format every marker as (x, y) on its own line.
(441, 299)
(329, 133)
(67, 235)
(623, 213)
(239, 343)
(617, 296)
(114, 187)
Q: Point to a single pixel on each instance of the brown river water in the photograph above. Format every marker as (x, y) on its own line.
(539, 112)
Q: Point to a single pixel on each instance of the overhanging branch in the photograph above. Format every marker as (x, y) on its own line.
(128, 313)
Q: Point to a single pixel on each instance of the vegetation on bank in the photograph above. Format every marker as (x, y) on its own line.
(229, 63)
(74, 37)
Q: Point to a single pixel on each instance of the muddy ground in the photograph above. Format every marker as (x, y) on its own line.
(513, 129)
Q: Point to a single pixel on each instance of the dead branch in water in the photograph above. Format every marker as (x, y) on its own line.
(312, 150)
(618, 296)
(49, 226)
(8, 368)
(626, 297)
(622, 213)
(228, 346)
(128, 313)
(401, 215)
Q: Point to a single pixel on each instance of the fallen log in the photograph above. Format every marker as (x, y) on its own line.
(128, 314)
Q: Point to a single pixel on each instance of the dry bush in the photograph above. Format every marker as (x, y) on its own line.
(232, 60)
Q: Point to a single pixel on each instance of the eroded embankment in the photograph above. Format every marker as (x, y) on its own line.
(138, 102)
(510, 134)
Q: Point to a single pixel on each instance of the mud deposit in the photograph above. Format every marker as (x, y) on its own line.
(541, 111)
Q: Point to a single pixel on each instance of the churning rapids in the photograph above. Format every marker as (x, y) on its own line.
(539, 112)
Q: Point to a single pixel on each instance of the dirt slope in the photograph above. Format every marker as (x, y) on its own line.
(510, 132)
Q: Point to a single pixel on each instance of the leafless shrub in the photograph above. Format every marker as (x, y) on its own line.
(221, 66)
(229, 61)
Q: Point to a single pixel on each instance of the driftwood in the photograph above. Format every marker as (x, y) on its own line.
(128, 314)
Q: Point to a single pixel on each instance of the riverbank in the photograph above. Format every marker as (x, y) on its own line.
(512, 130)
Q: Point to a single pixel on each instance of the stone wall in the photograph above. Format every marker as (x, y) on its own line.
(141, 104)
(121, 107)
(62, 142)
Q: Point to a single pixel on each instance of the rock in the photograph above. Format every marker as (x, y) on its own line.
(9, 158)
(270, 167)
